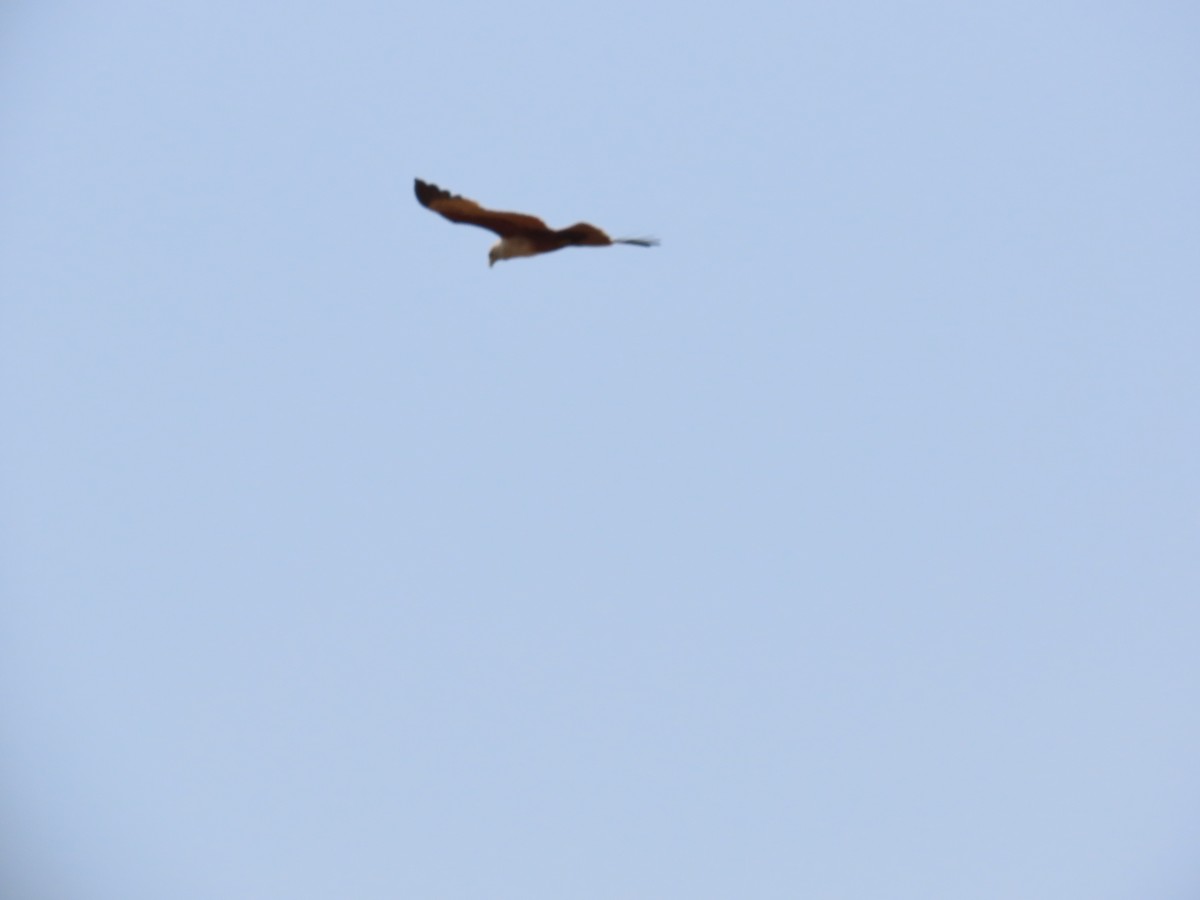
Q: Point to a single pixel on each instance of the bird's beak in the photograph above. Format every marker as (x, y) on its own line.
(491, 262)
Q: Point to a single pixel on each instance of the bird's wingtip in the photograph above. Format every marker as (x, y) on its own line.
(425, 191)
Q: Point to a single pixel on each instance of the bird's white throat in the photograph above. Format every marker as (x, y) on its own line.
(510, 247)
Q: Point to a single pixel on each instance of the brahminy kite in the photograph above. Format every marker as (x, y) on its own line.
(520, 235)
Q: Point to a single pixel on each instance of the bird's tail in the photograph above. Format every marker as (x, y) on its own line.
(638, 242)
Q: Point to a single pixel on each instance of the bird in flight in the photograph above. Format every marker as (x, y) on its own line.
(520, 235)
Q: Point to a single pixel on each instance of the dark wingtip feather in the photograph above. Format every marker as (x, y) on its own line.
(426, 192)
(639, 242)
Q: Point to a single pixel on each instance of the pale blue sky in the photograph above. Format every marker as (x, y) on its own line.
(844, 546)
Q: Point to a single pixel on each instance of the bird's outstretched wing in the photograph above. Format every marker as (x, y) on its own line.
(585, 235)
(468, 212)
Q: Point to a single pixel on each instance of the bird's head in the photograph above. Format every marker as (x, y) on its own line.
(509, 247)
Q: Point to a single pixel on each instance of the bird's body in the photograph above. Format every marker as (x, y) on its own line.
(520, 234)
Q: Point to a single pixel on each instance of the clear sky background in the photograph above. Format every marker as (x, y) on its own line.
(845, 546)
